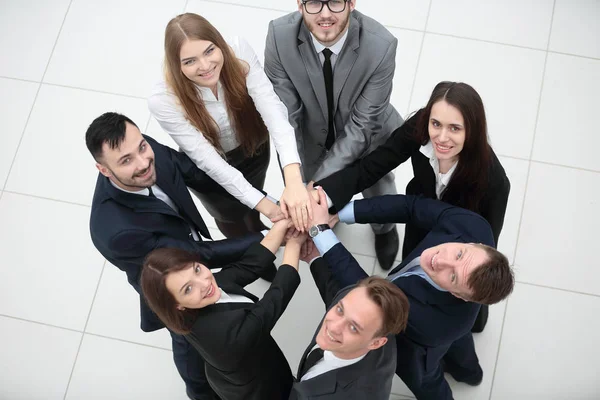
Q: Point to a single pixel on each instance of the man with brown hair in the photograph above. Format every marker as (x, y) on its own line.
(446, 277)
(353, 352)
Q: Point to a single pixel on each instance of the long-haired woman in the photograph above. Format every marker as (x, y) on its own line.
(447, 142)
(220, 108)
(228, 326)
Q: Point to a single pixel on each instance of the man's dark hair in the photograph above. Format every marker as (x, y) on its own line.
(107, 128)
(492, 281)
(391, 300)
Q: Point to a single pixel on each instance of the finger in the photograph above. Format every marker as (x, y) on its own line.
(304, 213)
(322, 197)
(294, 215)
(310, 185)
(309, 210)
(283, 208)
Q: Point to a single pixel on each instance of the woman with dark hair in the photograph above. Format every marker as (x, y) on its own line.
(220, 108)
(228, 326)
(447, 142)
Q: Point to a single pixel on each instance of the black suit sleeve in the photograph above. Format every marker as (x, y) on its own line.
(427, 214)
(365, 172)
(249, 267)
(258, 321)
(326, 283)
(137, 243)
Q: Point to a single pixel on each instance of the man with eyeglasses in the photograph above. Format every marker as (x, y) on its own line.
(333, 68)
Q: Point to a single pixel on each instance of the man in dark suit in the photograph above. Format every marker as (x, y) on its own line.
(333, 67)
(141, 203)
(353, 352)
(450, 273)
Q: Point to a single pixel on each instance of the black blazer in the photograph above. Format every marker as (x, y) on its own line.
(242, 360)
(369, 378)
(401, 145)
(125, 227)
(436, 318)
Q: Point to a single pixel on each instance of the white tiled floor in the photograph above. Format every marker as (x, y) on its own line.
(69, 322)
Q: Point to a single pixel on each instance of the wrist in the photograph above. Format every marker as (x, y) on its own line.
(291, 173)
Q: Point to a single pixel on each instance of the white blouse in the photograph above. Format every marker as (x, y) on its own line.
(164, 106)
(441, 180)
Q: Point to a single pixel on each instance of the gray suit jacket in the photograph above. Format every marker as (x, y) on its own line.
(363, 73)
(370, 378)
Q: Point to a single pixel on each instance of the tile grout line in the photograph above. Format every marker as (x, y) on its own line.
(12, 163)
(84, 328)
(19, 79)
(128, 341)
(414, 82)
(48, 198)
(557, 288)
(40, 323)
(524, 196)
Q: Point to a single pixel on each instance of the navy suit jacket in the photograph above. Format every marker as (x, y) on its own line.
(125, 227)
(436, 318)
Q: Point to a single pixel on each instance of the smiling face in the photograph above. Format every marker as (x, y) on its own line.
(130, 165)
(201, 62)
(446, 131)
(349, 327)
(327, 27)
(193, 287)
(449, 265)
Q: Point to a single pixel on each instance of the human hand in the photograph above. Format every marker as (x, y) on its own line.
(297, 238)
(313, 192)
(309, 251)
(320, 209)
(295, 204)
(270, 210)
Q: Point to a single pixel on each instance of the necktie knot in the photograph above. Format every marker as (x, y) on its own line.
(327, 53)
(150, 192)
(315, 355)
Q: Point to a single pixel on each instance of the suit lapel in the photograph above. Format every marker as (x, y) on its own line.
(186, 205)
(345, 62)
(313, 66)
(136, 202)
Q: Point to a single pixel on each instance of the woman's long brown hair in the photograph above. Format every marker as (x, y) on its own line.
(157, 266)
(470, 180)
(244, 118)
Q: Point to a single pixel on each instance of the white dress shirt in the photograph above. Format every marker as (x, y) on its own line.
(335, 49)
(164, 106)
(441, 180)
(232, 298)
(328, 363)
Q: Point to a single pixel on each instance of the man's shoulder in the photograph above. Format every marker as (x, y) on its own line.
(291, 20)
(372, 29)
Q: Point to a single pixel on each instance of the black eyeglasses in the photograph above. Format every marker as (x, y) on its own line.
(315, 7)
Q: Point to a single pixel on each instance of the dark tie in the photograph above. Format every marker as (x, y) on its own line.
(151, 194)
(311, 360)
(328, 75)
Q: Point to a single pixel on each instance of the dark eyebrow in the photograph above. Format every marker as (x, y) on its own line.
(209, 47)
(353, 322)
(129, 154)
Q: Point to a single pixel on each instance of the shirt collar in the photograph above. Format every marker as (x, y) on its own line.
(207, 95)
(329, 356)
(427, 151)
(336, 48)
(143, 192)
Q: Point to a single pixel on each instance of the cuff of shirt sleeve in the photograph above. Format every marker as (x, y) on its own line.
(264, 232)
(272, 199)
(329, 201)
(325, 241)
(346, 214)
